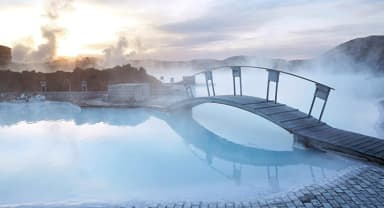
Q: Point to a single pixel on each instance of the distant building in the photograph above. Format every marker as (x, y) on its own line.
(43, 86)
(5, 55)
(84, 86)
(169, 89)
(132, 92)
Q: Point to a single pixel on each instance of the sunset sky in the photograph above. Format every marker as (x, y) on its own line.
(187, 29)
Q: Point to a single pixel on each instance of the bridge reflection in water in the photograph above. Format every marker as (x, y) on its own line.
(210, 146)
(206, 145)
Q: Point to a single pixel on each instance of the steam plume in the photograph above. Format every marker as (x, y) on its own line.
(117, 55)
(50, 32)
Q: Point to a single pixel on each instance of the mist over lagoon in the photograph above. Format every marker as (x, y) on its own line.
(102, 154)
(191, 104)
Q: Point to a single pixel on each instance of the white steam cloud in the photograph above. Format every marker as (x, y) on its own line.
(50, 32)
(119, 53)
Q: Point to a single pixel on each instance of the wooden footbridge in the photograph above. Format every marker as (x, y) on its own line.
(307, 128)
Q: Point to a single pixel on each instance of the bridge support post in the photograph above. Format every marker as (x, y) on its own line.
(236, 72)
(188, 90)
(273, 76)
(321, 92)
(188, 82)
(273, 179)
(209, 77)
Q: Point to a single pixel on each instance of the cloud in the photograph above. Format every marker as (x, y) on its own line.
(203, 28)
(15, 2)
(279, 28)
(350, 29)
(54, 8)
(224, 16)
(199, 39)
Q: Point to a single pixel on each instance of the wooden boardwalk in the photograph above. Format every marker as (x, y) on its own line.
(308, 129)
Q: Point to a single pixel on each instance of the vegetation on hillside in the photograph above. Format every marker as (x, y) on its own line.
(97, 80)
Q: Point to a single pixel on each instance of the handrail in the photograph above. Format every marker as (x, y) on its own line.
(265, 68)
(321, 91)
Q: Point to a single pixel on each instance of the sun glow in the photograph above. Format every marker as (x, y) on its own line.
(91, 28)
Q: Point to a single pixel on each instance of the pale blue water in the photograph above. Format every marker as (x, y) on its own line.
(57, 152)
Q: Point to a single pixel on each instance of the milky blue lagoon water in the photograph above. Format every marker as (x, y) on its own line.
(58, 152)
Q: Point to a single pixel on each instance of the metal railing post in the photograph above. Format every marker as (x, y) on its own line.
(267, 97)
(213, 88)
(241, 85)
(313, 102)
(234, 85)
(236, 72)
(323, 108)
(208, 77)
(321, 92)
(276, 88)
(206, 83)
(188, 82)
(188, 90)
(273, 76)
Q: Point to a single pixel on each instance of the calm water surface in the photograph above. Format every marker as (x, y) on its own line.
(53, 152)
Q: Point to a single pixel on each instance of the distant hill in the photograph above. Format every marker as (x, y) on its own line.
(360, 54)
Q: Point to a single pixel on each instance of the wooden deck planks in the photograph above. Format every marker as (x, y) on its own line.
(288, 116)
(300, 124)
(242, 100)
(316, 131)
(372, 145)
(276, 110)
(348, 140)
(360, 143)
(380, 154)
(377, 150)
(306, 126)
(352, 144)
(256, 106)
(339, 137)
(308, 121)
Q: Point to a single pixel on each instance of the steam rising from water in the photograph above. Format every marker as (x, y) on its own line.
(117, 55)
(50, 32)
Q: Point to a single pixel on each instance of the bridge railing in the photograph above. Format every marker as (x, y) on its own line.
(273, 76)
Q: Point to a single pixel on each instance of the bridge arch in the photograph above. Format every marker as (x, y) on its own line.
(286, 117)
(322, 91)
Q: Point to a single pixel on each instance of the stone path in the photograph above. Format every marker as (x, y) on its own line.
(361, 187)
